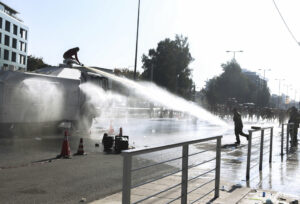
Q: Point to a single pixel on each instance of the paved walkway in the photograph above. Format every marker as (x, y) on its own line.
(229, 194)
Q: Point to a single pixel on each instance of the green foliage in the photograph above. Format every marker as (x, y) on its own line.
(170, 61)
(232, 83)
(34, 63)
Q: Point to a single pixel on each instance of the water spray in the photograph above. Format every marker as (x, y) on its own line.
(159, 95)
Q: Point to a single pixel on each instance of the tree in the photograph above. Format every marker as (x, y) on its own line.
(232, 83)
(34, 63)
(167, 66)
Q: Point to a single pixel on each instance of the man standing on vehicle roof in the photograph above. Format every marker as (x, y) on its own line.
(68, 56)
(238, 126)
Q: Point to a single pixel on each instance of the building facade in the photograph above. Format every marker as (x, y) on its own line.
(13, 40)
(254, 77)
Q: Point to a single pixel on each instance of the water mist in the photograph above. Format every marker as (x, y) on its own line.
(158, 95)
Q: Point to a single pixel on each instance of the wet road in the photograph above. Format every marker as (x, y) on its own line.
(20, 151)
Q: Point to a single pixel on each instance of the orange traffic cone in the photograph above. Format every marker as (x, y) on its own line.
(65, 149)
(111, 129)
(80, 150)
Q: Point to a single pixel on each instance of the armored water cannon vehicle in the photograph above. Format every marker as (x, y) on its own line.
(46, 98)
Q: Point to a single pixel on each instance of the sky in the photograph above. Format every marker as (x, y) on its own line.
(105, 31)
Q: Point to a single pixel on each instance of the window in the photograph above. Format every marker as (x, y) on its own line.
(23, 33)
(14, 43)
(22, 46)
(7, 26)
(13, 57)
(15, 29)
(22, 59)
(6, 40)
(0, 22)
(6, 54)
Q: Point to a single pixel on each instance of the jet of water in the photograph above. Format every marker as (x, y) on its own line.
(159, 95)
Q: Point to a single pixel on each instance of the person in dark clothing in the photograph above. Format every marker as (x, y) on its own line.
(68, 55)
(294, 118)
(238, 126)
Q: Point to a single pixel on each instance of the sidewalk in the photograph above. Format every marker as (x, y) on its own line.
(229, 194)
(265, 196)
(282, 175)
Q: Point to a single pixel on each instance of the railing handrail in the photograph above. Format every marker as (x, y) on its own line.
(261, 149)
(287, 123)
(260, 129)
(127, 168)
(169, 146)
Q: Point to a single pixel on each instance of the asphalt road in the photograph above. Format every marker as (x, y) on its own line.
(93, 176)
(28, 176)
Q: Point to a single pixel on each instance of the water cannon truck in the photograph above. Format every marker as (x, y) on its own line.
(43, 100)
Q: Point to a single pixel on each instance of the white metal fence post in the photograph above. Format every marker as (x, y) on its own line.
(126, 178)
(218, 167)
(287, 137)
(271, 145)
(282, 135)
(261, 150)
(184, 175)
(249, 156)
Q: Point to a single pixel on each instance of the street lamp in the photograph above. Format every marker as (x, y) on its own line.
(287, 88)
(279, 96)
(234, 51)
(137, 40)
(287, 93)
(265, 74)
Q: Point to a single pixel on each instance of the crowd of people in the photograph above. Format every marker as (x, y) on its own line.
(255, 114)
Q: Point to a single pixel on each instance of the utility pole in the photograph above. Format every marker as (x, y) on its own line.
(137, 40)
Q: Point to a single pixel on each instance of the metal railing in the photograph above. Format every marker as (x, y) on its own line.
(286, 130)
(262, 141)
(127, 170)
